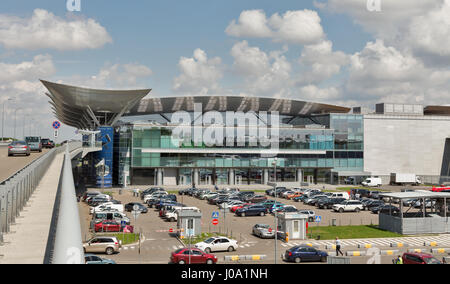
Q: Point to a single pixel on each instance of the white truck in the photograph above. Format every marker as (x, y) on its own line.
(405, 179)
(172, 215)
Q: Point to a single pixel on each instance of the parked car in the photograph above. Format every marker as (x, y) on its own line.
(285, 209)
(192, 256)
(229, 204)
(269, 203)
(236, 207)
(275, 207)
(103, 244)
(300, 198)
(419, 258)
(19, 148)
(348, 205)
(150, 191)
(107, 226)
(257, 199)
(89, 194)
(263, 231)
(130, 207)
(304, 253)
(294, 195)
(312, 200)
(368, 205)
(217, 244)
(360, 192)
(93, 259)
(311, 214)
(185, 191)
(329, 202)
(385, 208)
(107, 206)
(252, 210)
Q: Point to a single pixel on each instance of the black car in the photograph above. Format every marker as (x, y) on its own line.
(95, 201)
(371, 204)
(270, 191)
(329, 202)
(186, 191)
(252, 210)
(150, 191)
(130, 207)
(385, 209)
(169, 197)
(303, 253)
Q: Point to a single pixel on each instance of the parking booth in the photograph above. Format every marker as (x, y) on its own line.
(293, 224)
(189, 223)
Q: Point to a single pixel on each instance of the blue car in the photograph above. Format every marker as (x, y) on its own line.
(93, 259)
(276, 207)
(303, 253)
(252, 210)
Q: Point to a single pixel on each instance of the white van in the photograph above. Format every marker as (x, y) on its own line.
(340, 195)
(172, 215)
(372, 182)
(108, 206)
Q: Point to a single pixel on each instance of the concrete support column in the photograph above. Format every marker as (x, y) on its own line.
(266, 176)
(231, 177)
(160, 177)
(299, 175)
(195, 177)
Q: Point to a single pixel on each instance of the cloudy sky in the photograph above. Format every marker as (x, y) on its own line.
(344, 52)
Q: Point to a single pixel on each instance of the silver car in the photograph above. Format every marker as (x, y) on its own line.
(263, 231)
(18, 148)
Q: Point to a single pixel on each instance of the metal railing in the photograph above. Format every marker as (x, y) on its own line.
(17, 189)
(68, 246)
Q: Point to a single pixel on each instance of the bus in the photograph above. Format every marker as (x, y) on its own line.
(34, 142)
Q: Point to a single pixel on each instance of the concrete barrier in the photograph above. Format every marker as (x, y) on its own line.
(244, 257)
(367, 246)
(390, 252)
(398, 245)
(355, 253)
(440, 250)
(338, 260)
(332, 247)
(415, 250)
(430, 244)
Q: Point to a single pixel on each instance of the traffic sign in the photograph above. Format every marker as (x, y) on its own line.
(215, 222)
(56, 124)
(317, 219)
(170, 230)
(123, 223)
(270, 230)
(215, 214)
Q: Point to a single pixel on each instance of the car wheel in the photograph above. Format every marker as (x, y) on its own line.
(262, 214)
(109, 251)
(209, 261)
(298, 260)
(230, 248)
(181, 262)
(357, 210)
(323, 259)
(341, 210)
(208, 250)
(242, 214)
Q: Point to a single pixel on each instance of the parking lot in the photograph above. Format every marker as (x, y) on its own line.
(158, 243)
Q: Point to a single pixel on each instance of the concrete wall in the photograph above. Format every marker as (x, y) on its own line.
(404, 144)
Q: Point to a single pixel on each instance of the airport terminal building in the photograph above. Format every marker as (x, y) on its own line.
(252, 140)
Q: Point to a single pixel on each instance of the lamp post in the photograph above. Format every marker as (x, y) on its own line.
(274, 163)
(3, 118)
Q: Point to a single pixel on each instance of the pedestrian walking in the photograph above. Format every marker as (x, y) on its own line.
(338, 247)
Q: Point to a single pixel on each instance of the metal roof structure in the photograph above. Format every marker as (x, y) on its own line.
(416, 194)
(437, 110)
(85, 108)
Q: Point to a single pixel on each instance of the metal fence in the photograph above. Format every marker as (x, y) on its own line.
(17, 189)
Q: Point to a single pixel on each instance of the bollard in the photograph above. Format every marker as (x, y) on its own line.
(287, 237)
(389, 252)
(355, 253)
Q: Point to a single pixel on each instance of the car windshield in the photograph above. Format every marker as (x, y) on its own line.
(18, 143)
(431, 260)
(32, 139)
(209, 240)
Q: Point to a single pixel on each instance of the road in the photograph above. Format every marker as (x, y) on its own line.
(10, 165)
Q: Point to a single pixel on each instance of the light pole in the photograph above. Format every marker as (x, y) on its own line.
(15, 120)
(274, 163)
(3, 117)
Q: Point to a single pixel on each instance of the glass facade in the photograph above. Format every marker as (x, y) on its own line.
(335, 143)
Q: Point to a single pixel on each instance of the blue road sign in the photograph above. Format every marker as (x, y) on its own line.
(123, 223)
(56, 124)
(317, 219)
(215, 214)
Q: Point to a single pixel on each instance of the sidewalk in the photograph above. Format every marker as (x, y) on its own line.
(27, 241)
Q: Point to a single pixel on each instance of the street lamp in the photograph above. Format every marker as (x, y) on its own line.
(274, 163)
(3, 117)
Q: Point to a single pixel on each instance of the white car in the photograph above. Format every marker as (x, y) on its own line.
(228, 205)
(217, 244)
(311, 214)
(155, 195)
(108, 206)
(349, 205)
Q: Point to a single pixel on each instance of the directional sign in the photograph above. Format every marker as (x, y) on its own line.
(317, 219)
(215, 214)
(56, 124)
(215, 222)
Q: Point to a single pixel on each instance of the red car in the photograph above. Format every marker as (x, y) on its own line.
(419, 258)
(108, 226)
(181, 256)
(234, 208)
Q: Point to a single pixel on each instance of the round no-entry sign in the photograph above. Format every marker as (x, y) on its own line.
(215, 222)
(170, 230)
(270, 230)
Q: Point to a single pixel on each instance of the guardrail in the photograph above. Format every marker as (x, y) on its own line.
(68, 245)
